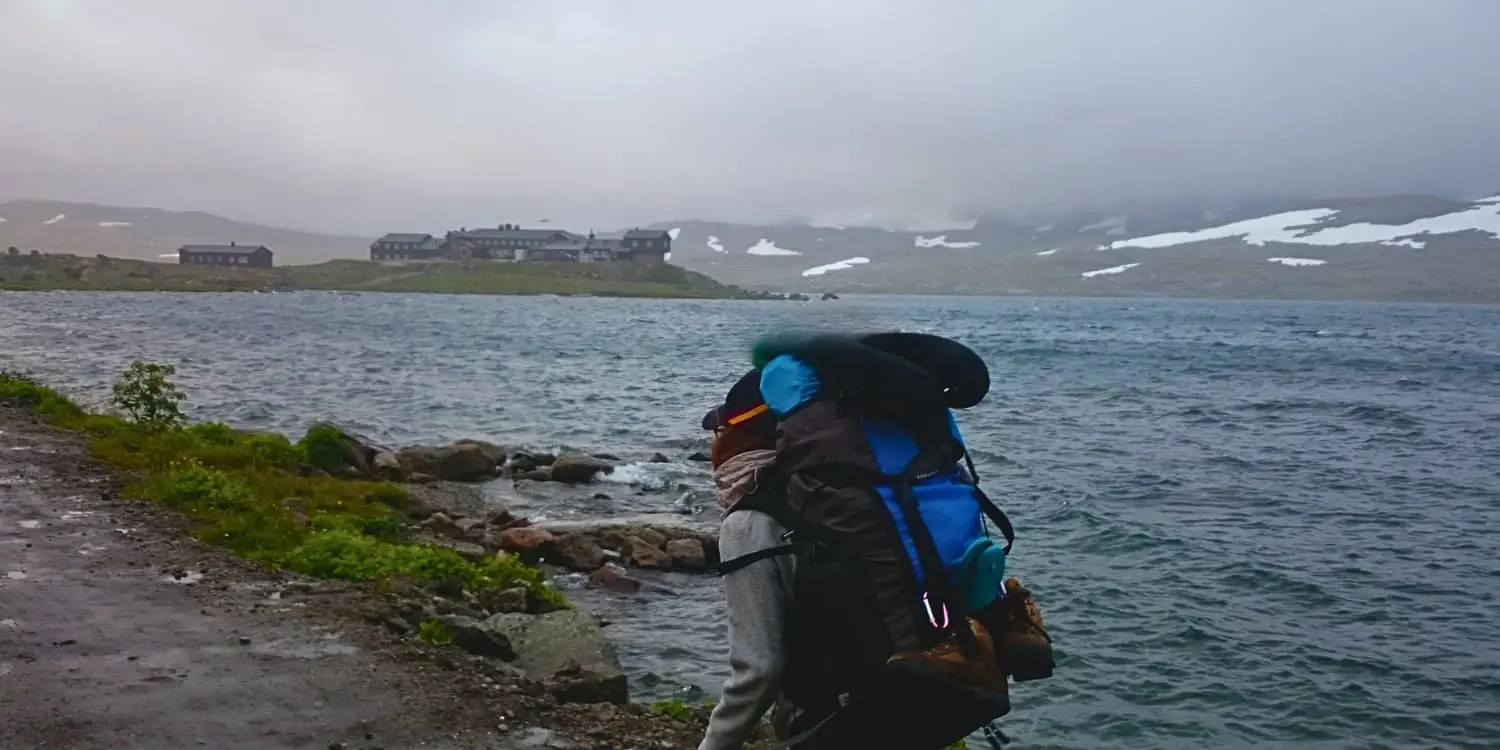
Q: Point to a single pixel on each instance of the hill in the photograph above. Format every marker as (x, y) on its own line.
(1389, 248)
(1408, 247)
(149, 233)
(25, 272)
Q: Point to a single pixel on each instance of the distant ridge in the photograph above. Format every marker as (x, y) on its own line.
(1398, 248)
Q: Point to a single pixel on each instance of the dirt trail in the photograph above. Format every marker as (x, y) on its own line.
(117, 632)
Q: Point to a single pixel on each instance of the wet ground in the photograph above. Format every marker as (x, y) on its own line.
(116, 631)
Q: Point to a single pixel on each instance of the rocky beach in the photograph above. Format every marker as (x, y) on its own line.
(477, 665)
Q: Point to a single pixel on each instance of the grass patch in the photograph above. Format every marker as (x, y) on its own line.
(254, 494)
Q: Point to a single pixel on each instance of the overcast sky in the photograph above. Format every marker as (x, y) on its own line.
(376, 115)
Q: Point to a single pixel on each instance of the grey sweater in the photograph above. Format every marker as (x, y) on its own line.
(757, 596)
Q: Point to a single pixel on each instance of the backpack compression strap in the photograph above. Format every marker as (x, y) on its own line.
(775, 509)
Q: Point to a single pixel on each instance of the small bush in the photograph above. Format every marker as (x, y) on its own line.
(434, 632)
(148, 396)
(325, 449)
(676, 708)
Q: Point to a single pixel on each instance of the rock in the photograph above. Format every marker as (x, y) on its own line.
(576, 468)
(539, 474)
(577, 551)
(651, 536)
(643, 554)
(499, 601)
(569, 651)
(657, 458)
(469, 550)
(525, 540)
(687, 553)
(828, 296)
(613, 578)
(441, 524)
(468, 461)
(605, 456)
(386, 465)
(499, 516)
(699, 457)
(418, 477)
(480, 639)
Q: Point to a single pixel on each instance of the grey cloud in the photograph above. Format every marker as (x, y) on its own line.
(364, 116)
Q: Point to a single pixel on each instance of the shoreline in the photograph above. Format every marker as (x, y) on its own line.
(58, 272)
(431, 619)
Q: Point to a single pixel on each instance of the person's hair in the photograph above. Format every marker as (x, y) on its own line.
(757, 434)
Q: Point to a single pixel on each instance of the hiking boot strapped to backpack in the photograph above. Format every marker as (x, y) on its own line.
(901, 632)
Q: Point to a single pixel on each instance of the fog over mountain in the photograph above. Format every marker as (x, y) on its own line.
(359, 117)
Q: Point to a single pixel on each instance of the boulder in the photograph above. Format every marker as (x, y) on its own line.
(467, 461)
(657, 458)
(687, 553)
(469, 550)
(577, 552)
(652, 536)
(699, 457)
(525, 540)
(576, 468)
(539, 474)
(441, 524)
(613, 578)
(479, 638)
(499, 601)
(566, 650)
(387, 466)
(644, 554)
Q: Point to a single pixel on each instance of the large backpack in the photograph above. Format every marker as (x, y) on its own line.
(884, 522)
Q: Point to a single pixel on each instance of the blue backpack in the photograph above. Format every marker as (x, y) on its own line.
(894, 635)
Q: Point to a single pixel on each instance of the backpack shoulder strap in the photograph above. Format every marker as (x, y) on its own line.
(774, 506)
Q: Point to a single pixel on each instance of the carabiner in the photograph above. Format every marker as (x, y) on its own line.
(931, 616)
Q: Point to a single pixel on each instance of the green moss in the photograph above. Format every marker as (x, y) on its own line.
(673, 707)
(245, 491)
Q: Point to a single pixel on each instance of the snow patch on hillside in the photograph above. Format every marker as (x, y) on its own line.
(942, 241)
(842, 265)
(55, 219)
(1297, 261)
(1045, 253)
(1112, 270)
(713, 244)
(1303, 228)
(1115, 225)
(673, 232)
(767, 247)
(114, 223)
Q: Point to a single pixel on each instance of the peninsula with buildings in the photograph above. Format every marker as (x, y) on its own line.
(504, 259)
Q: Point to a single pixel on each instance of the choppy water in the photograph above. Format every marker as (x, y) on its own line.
(1266, 524)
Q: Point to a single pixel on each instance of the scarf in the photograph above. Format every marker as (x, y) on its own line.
(738, 476)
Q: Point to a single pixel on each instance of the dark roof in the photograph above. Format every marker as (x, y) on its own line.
(222, 249)
(404, 237)
(515, 234)
(646, 234)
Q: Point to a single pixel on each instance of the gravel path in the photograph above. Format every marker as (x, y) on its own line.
(118, 632)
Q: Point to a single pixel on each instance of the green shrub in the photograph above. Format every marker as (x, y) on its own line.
(324, 448)
(676, 708)
(434, 632)
(148, 396)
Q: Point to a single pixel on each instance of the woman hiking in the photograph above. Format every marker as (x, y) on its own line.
(742, 452)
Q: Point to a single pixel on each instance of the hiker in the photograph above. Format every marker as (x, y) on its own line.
(867, 598)
(742, 452)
